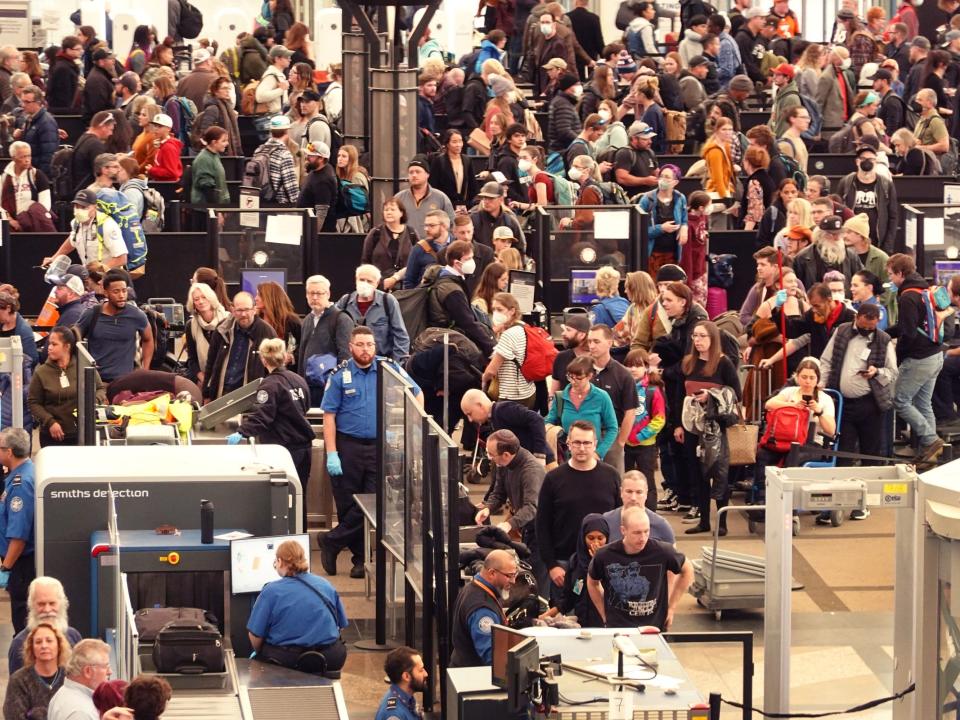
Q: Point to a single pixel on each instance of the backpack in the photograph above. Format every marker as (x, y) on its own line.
(910, 116)
(231, 60)
(114, 204)
(816, 115)
(554, 164)
(188, 113)
(154, 207)
(61, 173)
(844, 141)
(352, 200)
(613, 193)
(790, 164)
(948, 161)
(936, 299)
(128, 64)
(191, 21)
(336, 137)
(564, 192)
(675, 124)
(415, 304)
(248, 100)
(464, 346)
(256, 174)
(541, 352)
(534, 131)
(931, 164)
(785, 426)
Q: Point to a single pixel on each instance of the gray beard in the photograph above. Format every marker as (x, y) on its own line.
(833, 253)
(59, 620)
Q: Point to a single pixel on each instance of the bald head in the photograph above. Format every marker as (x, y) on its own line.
(500, 569)
(476, 406)
(635, 526)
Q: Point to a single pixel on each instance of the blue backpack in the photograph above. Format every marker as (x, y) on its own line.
(555, 164)
(188, 113)
(352, 200)
(114, 204)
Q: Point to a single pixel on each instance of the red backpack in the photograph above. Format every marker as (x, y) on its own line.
(541, 352)
(785, 426)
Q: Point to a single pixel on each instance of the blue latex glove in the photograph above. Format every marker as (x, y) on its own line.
(333, 463)
(4, 578)
(780, 298)
(234, 439)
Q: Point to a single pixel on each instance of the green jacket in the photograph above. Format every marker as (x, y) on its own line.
(209, 186)
(51, 402)
(787, 97)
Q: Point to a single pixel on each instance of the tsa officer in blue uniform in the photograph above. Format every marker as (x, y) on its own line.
(404, 667)
(280, 415)
(17, 570)
(479, 608)
(301, 612)
(350, 432)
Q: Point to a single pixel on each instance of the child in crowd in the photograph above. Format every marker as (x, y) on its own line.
(693, 256)
(640, 452)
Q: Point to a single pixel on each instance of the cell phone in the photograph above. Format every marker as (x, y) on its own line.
(807, 398)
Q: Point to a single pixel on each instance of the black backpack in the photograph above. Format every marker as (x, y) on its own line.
(63, 184)
(256, 174)
(336, 137)
(191, 21)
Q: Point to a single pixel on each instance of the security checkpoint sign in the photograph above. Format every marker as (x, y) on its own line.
(249, 200)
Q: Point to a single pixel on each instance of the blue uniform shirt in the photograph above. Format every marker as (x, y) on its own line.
(397, 705)
(16, 508)
(351, 394)
(481, 622)
(287, 612)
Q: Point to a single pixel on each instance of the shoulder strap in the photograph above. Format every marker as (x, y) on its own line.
(330, 607)
(97, 312)
(425, 246)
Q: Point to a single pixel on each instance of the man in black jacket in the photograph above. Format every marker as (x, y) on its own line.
(564, 122)
(586, 26)
(919, 354)
(322, 187)
(751, 46)
(523, 422)
(492, 214)
(470, 115)
(233, 359)
(449, 305)
(98, 92)
(88, 147)
(64, 76)
(507, 162)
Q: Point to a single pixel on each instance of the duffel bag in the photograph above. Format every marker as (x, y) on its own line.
(151, 620)
(188, 648)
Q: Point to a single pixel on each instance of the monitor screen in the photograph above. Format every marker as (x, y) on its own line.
(583, 286)
(503, 639)
(251, 277)
(251, 561)
(944, 270)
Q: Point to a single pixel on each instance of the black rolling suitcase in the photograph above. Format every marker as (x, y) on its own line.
(188, 648)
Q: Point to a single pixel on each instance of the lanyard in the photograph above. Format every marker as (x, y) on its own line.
(489, 592)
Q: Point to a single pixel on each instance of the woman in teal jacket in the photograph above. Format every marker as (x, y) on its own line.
(582, 400)
(666, 238)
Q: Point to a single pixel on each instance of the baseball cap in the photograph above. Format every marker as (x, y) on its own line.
(79, 270)
(101, 54)
(280, 122)
(317, 149)
(491, 189)
(641, 129)
(882, 74)
(280, 51)
(72, 282)
(556, 64)
(162, 119)
(772, 21)
(311, 95)
(698, 60)
(784, 69)
(420, 162)
(846, 14)
(503, 233)
(85, 198)
(831, 223)
(754, 12)
(920, 42)
(200, 55)
(577, 321)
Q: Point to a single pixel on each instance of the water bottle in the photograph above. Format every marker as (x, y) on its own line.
(206, 522)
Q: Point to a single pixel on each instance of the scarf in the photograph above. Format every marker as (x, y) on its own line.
(199, 329)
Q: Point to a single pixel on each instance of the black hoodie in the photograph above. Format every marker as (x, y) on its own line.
(912, 342)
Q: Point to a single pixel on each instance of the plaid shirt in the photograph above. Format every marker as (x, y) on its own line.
(283, 177)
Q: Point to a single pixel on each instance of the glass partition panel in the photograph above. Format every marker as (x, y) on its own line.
(394, 460)
(416, 492)
(932, 233)
(264, 239)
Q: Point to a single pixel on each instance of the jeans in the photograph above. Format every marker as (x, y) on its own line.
(947, 390)
(914, 393)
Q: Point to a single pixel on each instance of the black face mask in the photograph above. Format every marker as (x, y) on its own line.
(864, 332)
(866, 165)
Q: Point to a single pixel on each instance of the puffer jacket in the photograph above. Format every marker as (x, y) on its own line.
(40, 133)
(253, 60)
(564, 124)
(708, 422)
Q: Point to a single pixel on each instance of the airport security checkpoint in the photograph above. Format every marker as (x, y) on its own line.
(367, 359)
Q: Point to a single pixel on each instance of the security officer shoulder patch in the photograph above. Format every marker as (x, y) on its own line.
(485, 625)
(16, 505)
(391, 703)
(16, 481)
(262, 396)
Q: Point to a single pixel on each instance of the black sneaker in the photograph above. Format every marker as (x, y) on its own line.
(824, 519)
(683, 507)
(860, 514)
(667, 502)
(693, 516)
(328, 556)
(696, 530)
(357, 572)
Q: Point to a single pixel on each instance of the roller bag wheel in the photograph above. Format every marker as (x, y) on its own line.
(188, 648)
(150, 621)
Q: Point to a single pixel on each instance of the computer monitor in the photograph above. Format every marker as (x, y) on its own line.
(251, 277)
(523, 664)
(251, 561)
(583, 286)
(943, 270)
(503, 639)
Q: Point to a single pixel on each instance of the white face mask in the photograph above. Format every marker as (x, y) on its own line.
(575, 174)
(498, 319)
(604, 113)
(524, 165)
(468, 267)
(81, 215)
(577, 91)
(837, 295)
(546, 28)
(845, 64)
(364, 289)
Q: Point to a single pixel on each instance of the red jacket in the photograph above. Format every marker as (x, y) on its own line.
(167, 165)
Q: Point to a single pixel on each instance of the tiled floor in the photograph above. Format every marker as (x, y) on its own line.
(842, 629)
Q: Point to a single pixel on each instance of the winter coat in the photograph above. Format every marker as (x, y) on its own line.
(564, 123)
(219, 352)
(708, 421)
(62, 84)
(218, 112)
(209, 181)
(98, 93)
(253, 60)
(40, 133)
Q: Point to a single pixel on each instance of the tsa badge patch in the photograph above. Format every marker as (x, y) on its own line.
(16, 505)
(262, 396)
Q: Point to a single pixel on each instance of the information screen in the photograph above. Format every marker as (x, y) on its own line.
(583, 286)
(251, 277)
(251, 561)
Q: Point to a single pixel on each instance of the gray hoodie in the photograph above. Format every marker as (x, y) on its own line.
(133, 189)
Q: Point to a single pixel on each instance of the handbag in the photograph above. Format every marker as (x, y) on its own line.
(742, 441)
(479, 141)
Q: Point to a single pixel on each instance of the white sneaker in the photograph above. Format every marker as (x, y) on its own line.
(860, 514)
(691, 517)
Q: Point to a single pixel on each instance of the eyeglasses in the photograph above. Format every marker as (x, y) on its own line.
(699, 336)
(512, 576)
(573, 378)
(431, 225)
(580, 443)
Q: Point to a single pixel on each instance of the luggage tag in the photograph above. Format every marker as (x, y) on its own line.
(64, 380)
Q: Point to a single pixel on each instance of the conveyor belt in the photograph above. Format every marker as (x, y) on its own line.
(303, 703)
(183, 706)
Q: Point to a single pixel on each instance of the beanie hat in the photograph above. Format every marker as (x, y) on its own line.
(741, 83)
(671, 273)
(860, 224)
